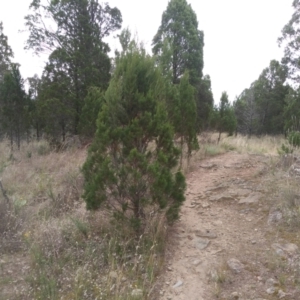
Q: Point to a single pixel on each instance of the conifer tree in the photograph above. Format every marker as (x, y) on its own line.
(129, 163)
(91, 108)
(74, 32)
(6, 53)
(186, 116)
(179, 43)
(13, 102)
(226, 121)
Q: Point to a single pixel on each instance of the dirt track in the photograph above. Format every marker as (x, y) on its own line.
(215, 228)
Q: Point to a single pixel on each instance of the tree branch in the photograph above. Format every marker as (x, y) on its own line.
(4, 193)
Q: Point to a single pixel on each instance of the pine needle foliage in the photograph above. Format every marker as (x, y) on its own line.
(130, 162)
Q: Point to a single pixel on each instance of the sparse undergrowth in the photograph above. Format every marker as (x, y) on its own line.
(68, 253)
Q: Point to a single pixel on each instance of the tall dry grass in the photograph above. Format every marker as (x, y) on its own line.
(68, 252)
(268, 145)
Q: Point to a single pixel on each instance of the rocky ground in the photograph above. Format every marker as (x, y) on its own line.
(228, 244)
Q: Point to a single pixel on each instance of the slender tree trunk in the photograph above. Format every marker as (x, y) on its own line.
(181, 155)
(219, 138)
(18, 138)
(11, 140)
(137, 215)
(37, 131)
(63, 132)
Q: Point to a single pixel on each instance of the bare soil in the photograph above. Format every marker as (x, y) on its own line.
(213, 216)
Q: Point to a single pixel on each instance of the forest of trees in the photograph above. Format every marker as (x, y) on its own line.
(125, 103)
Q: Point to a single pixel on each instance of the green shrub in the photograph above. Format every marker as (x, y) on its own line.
(294, 138)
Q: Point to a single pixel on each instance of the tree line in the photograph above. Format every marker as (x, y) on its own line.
(135, 105)
(66, 99)
(271, 105)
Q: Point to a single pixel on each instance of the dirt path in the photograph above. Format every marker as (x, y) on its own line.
(218, 239)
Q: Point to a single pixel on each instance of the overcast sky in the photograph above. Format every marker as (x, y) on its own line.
(240, 35)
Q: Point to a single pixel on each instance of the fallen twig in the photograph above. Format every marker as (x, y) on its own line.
(4, 193)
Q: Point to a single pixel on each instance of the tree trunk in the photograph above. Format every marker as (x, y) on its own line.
(219, 138)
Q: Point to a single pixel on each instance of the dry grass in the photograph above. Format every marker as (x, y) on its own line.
(255, 145)
(68, 253)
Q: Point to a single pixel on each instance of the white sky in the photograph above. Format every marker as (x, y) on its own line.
(240, 35)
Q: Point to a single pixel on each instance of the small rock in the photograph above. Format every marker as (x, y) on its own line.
(235, 265)
(205, 233)
(205, 205)
(271, 282)
(295, 168)
(221, 198)
(137, 293)
(234, 296)
(286, 249)
(253, 242)
(161, 293)
(290, 249)
(201, 244)
(252, 198)
(271, 290)
(196, 262)
(208, 166)
(178, 284)
(274, 217)
(281, 294)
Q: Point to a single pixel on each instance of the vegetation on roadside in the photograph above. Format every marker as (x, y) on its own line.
(120, 134)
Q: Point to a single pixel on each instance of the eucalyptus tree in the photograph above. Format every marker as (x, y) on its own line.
(270, 92)
(290, 38)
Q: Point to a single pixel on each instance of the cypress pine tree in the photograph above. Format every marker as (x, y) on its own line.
(226, 118)
(186, 116)
(129, 163)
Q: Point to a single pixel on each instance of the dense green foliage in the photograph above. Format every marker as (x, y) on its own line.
(6, 53)
(185, 116)
(290, 40)
(130, 160)
(14, 105)
(79, 56)
(178, 47)
(260, 109)
(294, 138)
(178, 43)
(224, 118)
(134, 108)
